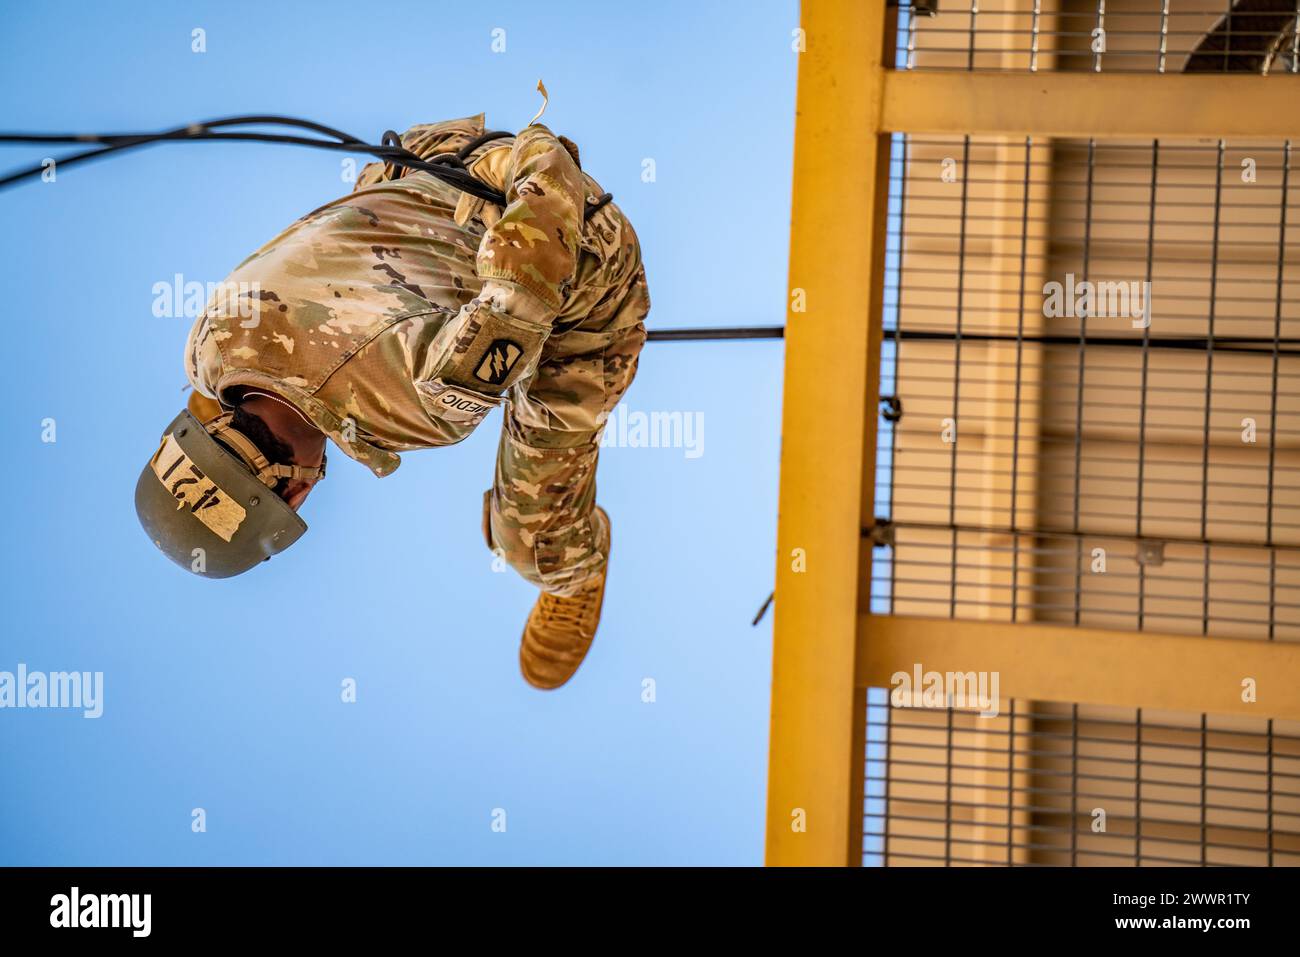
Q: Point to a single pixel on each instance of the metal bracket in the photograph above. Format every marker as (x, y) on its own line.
(927, 8)
(882, 533)
(1151, 553)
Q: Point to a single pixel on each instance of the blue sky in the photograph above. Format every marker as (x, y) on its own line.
(225, 696)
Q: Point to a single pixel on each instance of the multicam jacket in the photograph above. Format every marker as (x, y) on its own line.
(342, 312)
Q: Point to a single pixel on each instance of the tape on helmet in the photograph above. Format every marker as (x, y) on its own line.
(209, 506)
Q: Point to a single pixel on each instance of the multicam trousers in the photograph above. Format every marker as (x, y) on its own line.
(539, 513)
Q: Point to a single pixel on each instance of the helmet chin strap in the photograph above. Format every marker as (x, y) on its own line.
(268, 474)
(287, 404)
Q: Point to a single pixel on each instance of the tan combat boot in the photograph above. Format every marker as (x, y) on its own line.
(560, 629)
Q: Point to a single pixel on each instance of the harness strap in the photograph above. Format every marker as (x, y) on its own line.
(462, 154)
(301, 472)
(268, 474)
(458, 160)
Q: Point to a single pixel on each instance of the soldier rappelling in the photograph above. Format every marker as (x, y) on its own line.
(394, 319)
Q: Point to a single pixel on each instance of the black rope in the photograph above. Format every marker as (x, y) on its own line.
(262, 120)
(1236, 344)
(715, 333)
(390, 150)
(448, 167)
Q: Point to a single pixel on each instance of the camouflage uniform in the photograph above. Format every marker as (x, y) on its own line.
(365, 313)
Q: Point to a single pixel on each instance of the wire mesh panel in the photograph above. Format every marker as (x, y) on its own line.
(1078, 785)
(1134, 36)
(1090, 415)
(1092, 360)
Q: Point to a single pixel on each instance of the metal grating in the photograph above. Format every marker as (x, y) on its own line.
(1078, 785)
(1129, 36)
(1090, 415)
(1130, 464)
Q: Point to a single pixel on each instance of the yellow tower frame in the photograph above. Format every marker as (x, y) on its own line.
(828, 648)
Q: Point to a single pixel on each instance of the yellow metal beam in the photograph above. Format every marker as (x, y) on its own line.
(829, 368)
(1048, 662)
(1090, 104)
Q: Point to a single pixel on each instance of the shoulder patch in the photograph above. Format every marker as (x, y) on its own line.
(498, 360)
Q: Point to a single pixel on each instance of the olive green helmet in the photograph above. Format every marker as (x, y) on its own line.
(209, 505)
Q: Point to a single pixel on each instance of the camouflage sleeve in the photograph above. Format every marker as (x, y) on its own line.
(527, 261)
(203, 364)
(370, 174)
(533, 247)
